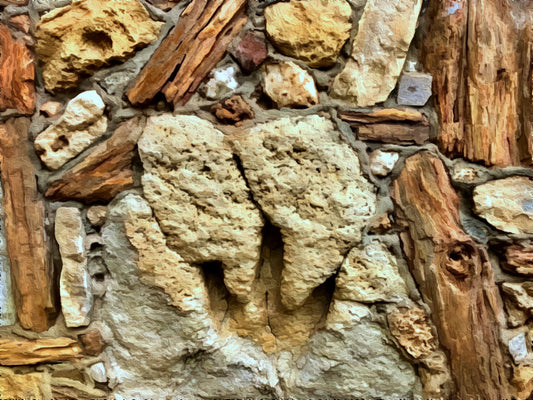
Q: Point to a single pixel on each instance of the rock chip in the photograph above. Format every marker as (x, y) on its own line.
(313, 31)
(379, 52)
(250, 51)
(382, 162)
(97, 215)
(82, 123)
(222, 82)
(518, 348)
(93, 342)
(520, 295)
(50, 108)
(22, 22)
(507, 204)
(517, 258)
(309, 184)
(233, 110)
(414, 89)
(98, 373)
(410, 326)
(80, 38)
(523, 380)
(370, 274)
(288, 85)
(200, 198)
(75, 283)
(34, 385)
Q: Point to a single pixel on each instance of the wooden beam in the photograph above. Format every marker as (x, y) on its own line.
(454, 277)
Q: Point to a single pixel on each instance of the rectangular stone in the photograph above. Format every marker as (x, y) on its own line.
(7, 303)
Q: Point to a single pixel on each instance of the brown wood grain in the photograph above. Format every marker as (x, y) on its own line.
(454, 277)
(29, 352)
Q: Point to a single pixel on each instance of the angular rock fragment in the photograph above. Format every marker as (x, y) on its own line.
(200, 198)
(97, 215)
(288, 85)
(17, 74)
(308, 182)
(98, 373)
(379, 51)
(34, 385)
(507, 203)
(50, 108)
(370, 274)
(164, 5)
(411, 328)
(233, 111)
(223, 82)
(523, 380)
(105, 172)
(250, 51)
(75, 282)
(93, 342)
(313, 31)
(82, 123)
(29, 352)
(518, 348)
(519, 296)
(78, 39)
(414, 89)
(382, 162)
(22, 22)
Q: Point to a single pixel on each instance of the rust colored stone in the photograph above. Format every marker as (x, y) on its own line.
(50, 108)
(105, 172)
(233, 110)
(93, 342)
(190, 51)
(21, 22)
(251, 51)
(29, 352)
(17, 74)
(518, 258)
(24, 224)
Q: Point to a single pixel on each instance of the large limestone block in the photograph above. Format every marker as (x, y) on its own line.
(78, 39)
(75, 282)
(309, 184)
(379, 51)
(82, 123)
(313, 31)
(506, 203)
(200, 198)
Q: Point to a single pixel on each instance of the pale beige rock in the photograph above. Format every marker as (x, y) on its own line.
(313, 31)
(435, 376)
(520, 295)
(288, 85)
(370, 274)
(97, 215)
(82, 123)
(75, 282)
(200, 198)
(50, 108)
(506, 203)
(34, 385)
(379, 51)
(410, 326)
(80, 38)
(382, 162)
(309, 184)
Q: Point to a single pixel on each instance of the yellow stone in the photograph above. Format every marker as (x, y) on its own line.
(27, 386)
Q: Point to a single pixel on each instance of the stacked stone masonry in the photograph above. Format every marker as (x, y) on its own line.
(305, 199)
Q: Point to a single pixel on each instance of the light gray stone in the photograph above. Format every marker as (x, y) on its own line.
(7, 304)
(414, 89)
(518, 348)
(98, 373)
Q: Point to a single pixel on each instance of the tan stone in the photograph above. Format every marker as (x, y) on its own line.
(506, 203)
(80, 38)
(200, 198)
(410, 326)
(313, 31)
(288, 85)
(75, 282)
(50, 108)
(379, 51)
(523, 380)
(34, 385)
(309, 184)
(97, 215)
(82, 123)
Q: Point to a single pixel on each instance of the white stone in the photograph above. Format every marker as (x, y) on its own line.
(223, 82)
(7, 304)
(518, 348)
(74, 283)
(98, 373)
(382, 162)
(82, 123)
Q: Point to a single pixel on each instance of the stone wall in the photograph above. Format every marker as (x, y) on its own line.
(304, 199)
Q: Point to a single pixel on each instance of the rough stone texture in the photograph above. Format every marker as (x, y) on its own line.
(288, 85)
(74, 284)
(93, 342)
(222, 83)
(518, 348)
(250, 51)
(370, 274)
(7, 302)
(233, 111)
(308, 182)
(82, 123)
(313, 31)
(506, 203)
(77, 39)
(200, 198)
(22, 22)
(50, 108)
(518, 299)
(518, 258)
(97, 215)
(414, 89)
(17, 74)
(382, 162)
(411, 328)
(29, 352)
(523, 380)
(34, 385)
(379, 51)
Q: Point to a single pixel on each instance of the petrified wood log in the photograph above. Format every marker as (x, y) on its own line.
(105, 172)
(17, 73)
(475, 68)
(454, 277)
(190, 51)
(28, 352)
(24, 224)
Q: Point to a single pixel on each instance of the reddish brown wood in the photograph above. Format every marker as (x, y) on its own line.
(526, 83)
(17, 73)
(406, 115)
(105, 172)
(454, 277)
(24, 222)
(517, 258)
(28, 352)
(190, 51)
(394, 133)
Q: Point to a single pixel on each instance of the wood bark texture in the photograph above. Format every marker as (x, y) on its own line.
(190, 51)
(476, 68)
(526, 143)
(24, 222)
(17, 74)
(454, 277)
(28, 352)
(105, 172)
